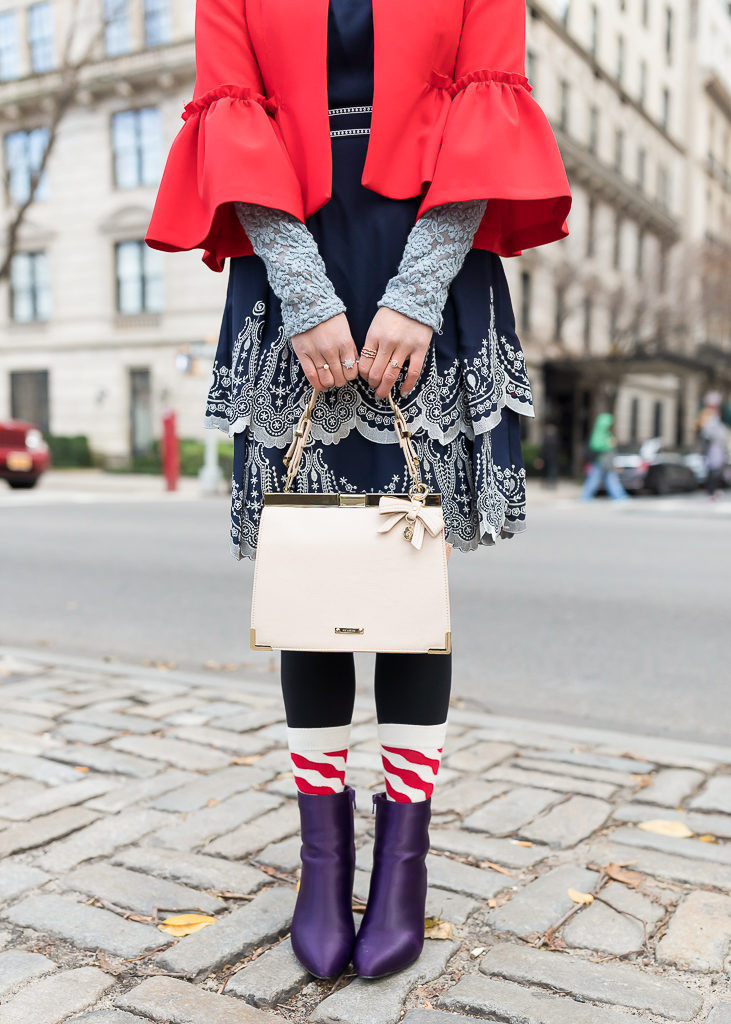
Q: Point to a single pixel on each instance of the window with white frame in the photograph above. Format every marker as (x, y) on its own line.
(139, 278)
(40, 37)
(23, 157)
(9, 45)
(137, 147)
(30, 287)
(158, 26)
(117, 28)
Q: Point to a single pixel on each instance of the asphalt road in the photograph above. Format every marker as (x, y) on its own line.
(603, 615)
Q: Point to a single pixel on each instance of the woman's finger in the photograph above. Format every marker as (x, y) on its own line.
(416, 364)
(349, 359)
(368, 353)
(391, 371)
(313, 374)
(328, 363)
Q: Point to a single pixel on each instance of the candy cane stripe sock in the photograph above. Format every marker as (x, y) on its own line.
(411, 755)
(318, 758)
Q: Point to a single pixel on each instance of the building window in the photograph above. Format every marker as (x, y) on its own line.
(530, 67)
(634, 419)
(645, 13)
(139, 278)
(158, 27)
(620, 58)
(640, 265)
(590, 226)
(136, 142)
(40, 37)
(662, 269)
(564, 114)
(665, 108)
(30, 291)
(669, 33)
(588, 311)
(117, 29)
(657, 420)
(9, 54)
(559, 311)
(617, 253)
(593, 129)
(642, 95)
(594, 31)
(641, 166)
(618, 150)
(663, 186)
(525, 299)
(23, 156)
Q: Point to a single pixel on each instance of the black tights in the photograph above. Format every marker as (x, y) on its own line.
(319, 688)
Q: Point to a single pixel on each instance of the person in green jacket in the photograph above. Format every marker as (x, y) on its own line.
(601, 465)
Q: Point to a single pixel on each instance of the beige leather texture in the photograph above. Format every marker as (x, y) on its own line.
(320, 569)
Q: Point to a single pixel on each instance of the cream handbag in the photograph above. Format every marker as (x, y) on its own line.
(351, 572)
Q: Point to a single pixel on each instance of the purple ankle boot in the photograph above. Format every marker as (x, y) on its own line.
(391, 935)
(323, 932)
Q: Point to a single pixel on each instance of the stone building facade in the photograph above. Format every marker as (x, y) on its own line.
(99, 334)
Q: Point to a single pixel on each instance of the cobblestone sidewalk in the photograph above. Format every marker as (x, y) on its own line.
(130, 794)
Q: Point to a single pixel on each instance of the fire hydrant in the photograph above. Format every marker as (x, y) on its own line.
(170, 451)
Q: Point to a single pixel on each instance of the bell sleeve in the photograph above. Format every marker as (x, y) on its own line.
(229, 148)
(497, 143)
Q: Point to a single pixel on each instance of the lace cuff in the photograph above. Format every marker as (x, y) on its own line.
(433, 256)
(295, 268)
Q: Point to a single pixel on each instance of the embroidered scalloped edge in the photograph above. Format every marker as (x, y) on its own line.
(236, 92)
(486, 75)
(418, 423)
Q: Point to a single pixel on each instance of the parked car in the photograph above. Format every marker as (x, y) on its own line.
(24, 455)
(650, 467)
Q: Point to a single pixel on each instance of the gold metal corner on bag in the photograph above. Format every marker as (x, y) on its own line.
(447, 649)
(254, 646)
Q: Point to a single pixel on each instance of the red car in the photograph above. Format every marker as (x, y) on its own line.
(24, 455)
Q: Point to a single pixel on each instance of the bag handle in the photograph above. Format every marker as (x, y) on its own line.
(293, 457)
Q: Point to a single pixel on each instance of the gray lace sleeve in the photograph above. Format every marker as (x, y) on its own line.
(295, 268)
(433, 256)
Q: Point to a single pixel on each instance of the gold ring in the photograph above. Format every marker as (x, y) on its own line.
(325, 366)
(369, 353)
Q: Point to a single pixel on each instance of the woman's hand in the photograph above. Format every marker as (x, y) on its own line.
(394, 338)
(322, 351)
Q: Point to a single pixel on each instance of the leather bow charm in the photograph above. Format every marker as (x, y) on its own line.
(415, 516)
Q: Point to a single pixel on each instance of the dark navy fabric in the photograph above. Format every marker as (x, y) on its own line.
(464, 410)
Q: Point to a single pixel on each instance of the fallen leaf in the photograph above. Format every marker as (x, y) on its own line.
(580, 897)
(677, 829)
(212, 802)
(434, 928)
(643, 781)
(80, 768)
(621, 874)
(185, 924)
(523, 842)
(492, 903)
(707, 838)
(248, 759)
(477, 951)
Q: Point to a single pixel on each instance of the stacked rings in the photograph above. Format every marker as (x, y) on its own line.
(369, 353)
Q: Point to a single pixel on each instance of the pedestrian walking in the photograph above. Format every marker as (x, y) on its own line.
(365, 165)
(601, 462)
(714, 435)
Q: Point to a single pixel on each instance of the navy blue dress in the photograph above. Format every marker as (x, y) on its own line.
(464, 409)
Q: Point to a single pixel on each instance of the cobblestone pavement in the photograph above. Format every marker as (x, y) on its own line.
(127, 794)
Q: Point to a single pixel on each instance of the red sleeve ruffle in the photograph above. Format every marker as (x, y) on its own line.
(229, 148)
(498, 145)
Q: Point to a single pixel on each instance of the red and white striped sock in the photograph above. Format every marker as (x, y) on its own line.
(318, 758)
(411, 756)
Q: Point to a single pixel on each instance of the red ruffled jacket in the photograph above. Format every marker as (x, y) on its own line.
(453, 118)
